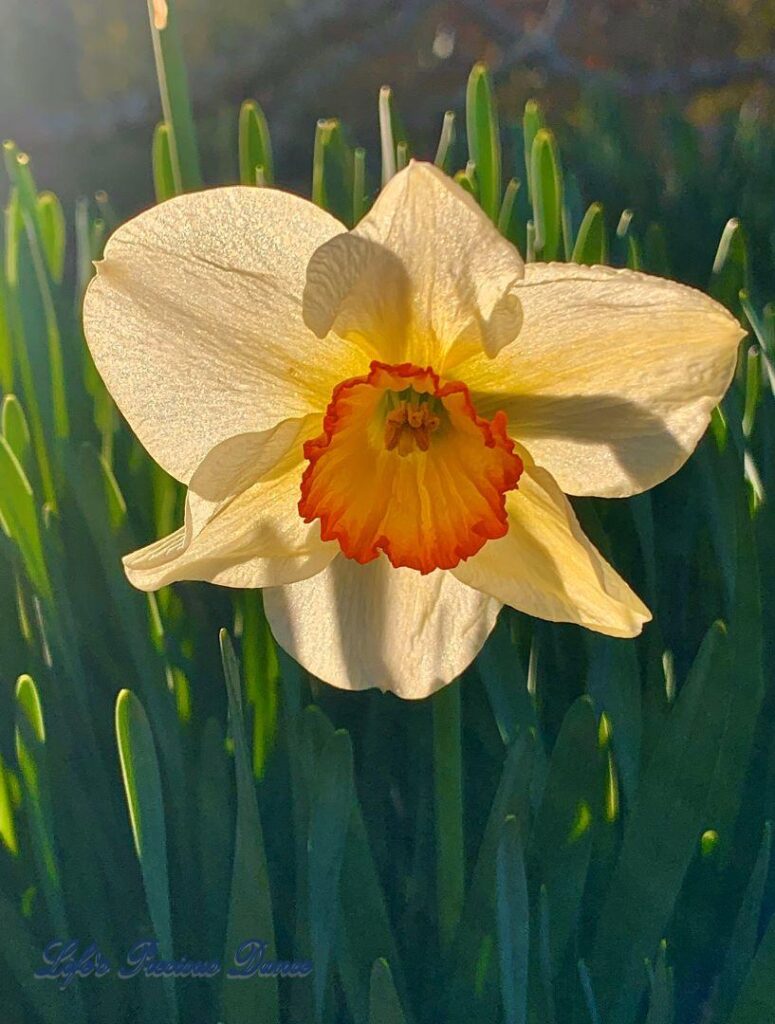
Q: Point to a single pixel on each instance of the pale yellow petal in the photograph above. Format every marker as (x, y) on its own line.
(613, 377)
(547, 567)
(243, 528)
(236, 464)
(357, 626)
(194, 320)
(424, 278)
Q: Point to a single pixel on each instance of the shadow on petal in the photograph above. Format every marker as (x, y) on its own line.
(358, 288)
(576, 430)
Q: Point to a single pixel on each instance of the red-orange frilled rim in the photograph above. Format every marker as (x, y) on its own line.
(379, 426)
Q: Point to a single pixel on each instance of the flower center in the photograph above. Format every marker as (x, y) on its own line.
(410, 425)
(405, 466)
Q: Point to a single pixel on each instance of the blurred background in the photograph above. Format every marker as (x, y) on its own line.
(665, 106)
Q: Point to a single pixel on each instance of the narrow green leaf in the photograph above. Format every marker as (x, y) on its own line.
(98, 237)
(143, 789)
(386, 134)
(443, 158)
(655, 251)
(32, 756)
(17, 165)
(107, 214)
(173, 89)
(467, 180)
(661, 997)
(21, 955)
(642, 512)
(323, 131)
(32, 292)
(474, 992)
(262, 678)
(8, 834)
(484, 145)
(163, 172)
(753, 389)
(19, 514)
(51, 219)
(561, 843)
(756, 1002)
(589, 995)
(14, 428)
(7, 369)
(255, 144)
(513, 917)
(662, 833)
(730, 272)
(614, 684)
(591, 247)
(359, 183)
(391, 133)
(512, 799)
(28, 700)
(448, 817)
(545, 969)
(742, 944)
(55, 358)
(735, 540)
(384, 1004)
(530, 242)
(764, 329)
(364, 922)
(532, 122)
(506, 685)
(215, 828)
(104, 511)
(507, 218)
(332, 170)
(250, 905)
(84, 267)
(363, 932)
(330, 810)
(632, 257)
(307, 732)
(546, 179)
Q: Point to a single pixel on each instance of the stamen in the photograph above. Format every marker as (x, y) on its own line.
(410, 426)
(424, 512)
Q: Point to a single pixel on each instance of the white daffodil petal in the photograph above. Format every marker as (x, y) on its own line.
(424, 278)
(194, 320)
(238, 463)
(613, 377)
(547, 567)
(357, 626)
(243, 528)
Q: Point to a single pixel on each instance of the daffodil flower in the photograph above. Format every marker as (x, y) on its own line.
(379, 426)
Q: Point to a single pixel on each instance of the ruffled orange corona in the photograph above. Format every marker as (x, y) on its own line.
(406, 466)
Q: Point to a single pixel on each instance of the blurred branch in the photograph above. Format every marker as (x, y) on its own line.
(302, 31)
(334, 62)
(314, 44)
(701, 74)
(539, 48)
(535, 41)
